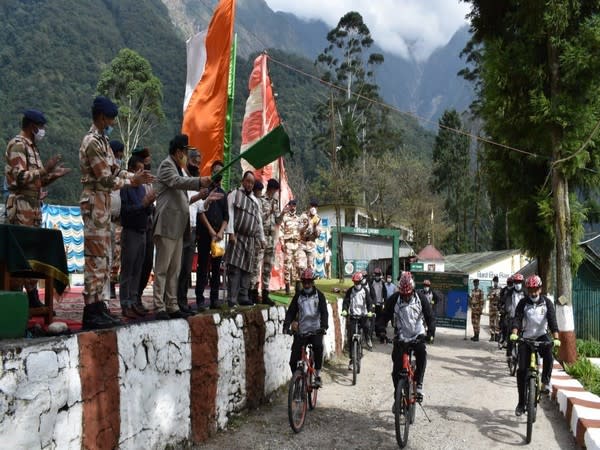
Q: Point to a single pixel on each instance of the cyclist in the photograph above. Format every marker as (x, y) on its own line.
(407, 309)
(511, 300)
(307, 313)
(357, 302)
(504, 325)
(534, 315)
(378, 295)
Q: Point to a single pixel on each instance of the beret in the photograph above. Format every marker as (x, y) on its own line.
(117, 146)
(292, 201)
(313, 202)
(35, 116)
(105, 106)
(144, 152)
(258, 186)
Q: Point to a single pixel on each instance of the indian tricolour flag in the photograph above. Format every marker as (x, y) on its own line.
(205, 103)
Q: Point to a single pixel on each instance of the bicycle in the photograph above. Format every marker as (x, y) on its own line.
(356, 347)
(533, 384)
(513, 359)
(302, 394)
(406, 393)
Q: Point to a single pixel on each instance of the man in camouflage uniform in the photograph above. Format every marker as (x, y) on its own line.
(494, 310)
(309, 232)
(294, 257)
(476, 301)
(25, 177)
(99, 175)
(271, 217)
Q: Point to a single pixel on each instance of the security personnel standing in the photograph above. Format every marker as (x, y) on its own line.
(309, 232)
(100, 175)
(476, 301)
(25, 177)
(294, 259)
(494, 310)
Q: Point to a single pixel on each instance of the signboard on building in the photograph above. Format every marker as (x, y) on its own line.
(355, 265)
(452, 288)
(416, 267)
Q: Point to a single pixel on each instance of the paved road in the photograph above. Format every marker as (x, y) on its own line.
(469, 398)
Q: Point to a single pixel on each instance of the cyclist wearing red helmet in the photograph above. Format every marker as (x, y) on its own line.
(307, 314)
(504, 322)
(511, 300)
(357, 302)
(407, 309)
(534, 316)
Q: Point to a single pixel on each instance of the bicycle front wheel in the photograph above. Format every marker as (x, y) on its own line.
(402, 412)
(312, 391)
(531, 406)
(297, 399)
(355, 362)
(512, 365)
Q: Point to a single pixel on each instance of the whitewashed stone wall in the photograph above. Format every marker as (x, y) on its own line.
(154, 378)
(276, 350)
(40, 395)
(231, 387)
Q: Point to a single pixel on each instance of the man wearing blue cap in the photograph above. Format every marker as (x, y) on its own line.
(25, 177)
(100, 175)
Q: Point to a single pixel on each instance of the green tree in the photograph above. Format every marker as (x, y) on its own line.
(452, 179)
(345, 63)
(129, 80)
(539, 90)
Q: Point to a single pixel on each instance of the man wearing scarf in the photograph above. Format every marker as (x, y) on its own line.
(244, 229)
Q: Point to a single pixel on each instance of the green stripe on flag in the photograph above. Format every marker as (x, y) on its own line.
(270, 147)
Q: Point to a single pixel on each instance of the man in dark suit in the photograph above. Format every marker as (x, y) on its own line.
(171, 222)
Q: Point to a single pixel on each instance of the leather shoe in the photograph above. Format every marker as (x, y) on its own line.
(179, 315)
(185, 308)
(130, 313)
(139, 310)
(162, 315)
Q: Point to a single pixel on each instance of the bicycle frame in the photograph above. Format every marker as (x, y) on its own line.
(408, 371)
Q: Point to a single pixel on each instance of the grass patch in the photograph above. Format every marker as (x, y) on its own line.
(328, 288)
(587, 373)
(588, 348)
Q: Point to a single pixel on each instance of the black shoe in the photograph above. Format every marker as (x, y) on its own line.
(369, 343)
(162, 315)
(519, 410)
(253, 296)
(266, 300)
(116, 321)
(179, 315)
(492, 338)
(317, 383)
(113, 291)
(185, 308)
(94, 317)
(34, 299)
(475, 338)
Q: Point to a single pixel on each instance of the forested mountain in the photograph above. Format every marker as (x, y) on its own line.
(52, 54)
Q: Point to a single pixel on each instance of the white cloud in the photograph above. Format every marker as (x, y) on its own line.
(409, 28)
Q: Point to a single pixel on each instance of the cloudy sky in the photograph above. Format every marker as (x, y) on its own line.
(409, 28)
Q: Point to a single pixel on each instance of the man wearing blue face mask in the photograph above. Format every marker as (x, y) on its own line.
(308, 319)
(100, 175)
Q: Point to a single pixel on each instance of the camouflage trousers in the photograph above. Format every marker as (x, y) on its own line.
(294, 261)
(494, 319)
(264, 265)
(115, 239)
(26, 212)
(310, 250)
(476, 320)
(95, 212)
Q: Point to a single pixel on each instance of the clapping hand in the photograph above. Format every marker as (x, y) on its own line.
(142, 177)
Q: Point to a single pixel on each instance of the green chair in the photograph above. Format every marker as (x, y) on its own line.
(14, 313)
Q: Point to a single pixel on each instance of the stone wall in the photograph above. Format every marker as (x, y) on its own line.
(144, 385)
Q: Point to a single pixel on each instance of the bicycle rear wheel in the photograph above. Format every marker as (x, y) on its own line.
(412, 409)
(297, 399)
(402, 412)
(355, 362)
(531, 406)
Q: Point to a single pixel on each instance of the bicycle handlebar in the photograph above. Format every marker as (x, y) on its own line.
(312, 333)
(533, 343)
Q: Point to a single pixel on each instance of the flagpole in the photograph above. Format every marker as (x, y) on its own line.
(227, 142)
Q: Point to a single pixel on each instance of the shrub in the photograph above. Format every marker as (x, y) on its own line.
(587, 373)
(588, 348)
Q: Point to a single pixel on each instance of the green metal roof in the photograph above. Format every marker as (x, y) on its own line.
(472, 262)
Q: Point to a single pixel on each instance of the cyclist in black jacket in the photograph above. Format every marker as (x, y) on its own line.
(534, 315)
(307, 313)
(407, 309)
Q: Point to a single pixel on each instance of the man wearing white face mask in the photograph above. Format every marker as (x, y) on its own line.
(512, 299)
(25, 177)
